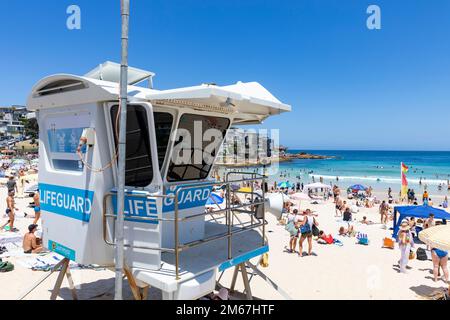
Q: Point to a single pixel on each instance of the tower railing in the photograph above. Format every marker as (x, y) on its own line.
(255, 208)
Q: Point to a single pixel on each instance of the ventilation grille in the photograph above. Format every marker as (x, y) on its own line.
(60, 86)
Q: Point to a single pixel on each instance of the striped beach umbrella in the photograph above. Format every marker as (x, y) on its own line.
(437, 237)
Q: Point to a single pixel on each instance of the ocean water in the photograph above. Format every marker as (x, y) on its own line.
(379, 169)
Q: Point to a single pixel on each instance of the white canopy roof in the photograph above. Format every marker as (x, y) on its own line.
(248, 102)
(317, 185)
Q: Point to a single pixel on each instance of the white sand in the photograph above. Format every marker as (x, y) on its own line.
(349, 272)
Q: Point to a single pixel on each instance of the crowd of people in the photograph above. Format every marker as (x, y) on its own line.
(15, 186)
(303, 225)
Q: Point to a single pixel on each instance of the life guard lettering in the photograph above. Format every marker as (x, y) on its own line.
(138, 207)
(187, 198)
(69, 202)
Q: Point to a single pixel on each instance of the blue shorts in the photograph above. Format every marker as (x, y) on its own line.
(37, 209)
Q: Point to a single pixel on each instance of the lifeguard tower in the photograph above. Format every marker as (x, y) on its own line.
(171, 241)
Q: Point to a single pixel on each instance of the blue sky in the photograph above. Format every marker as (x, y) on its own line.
(350, 87)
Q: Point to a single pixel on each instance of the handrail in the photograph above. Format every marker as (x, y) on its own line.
(228, 216)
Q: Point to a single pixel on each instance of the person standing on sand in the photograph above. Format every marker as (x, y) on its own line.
(384, 212)
(425, 196)
(305, 229)
(21, 183)
(10, 207)
(37, 207)
(440, 258)
(389, 192)
(405, 243)
(293, 218)
(338, 212)
(11, 184)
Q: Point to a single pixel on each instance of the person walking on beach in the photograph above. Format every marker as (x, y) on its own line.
(306, 227)
(11, 185)
(384, 208)
(405, 243)
(389, 192)
(10, 207)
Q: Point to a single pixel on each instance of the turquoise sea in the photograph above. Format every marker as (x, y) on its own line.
(379, 169)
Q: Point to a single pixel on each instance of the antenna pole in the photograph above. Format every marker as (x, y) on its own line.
(125, 13)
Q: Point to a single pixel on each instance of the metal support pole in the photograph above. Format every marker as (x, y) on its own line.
(125, 13)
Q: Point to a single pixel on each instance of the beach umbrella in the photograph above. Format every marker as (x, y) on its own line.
(214, 199)
(285, 185)
(437, 237)
(300, 196)
(16, 166)
(19, 161)
(358, 187)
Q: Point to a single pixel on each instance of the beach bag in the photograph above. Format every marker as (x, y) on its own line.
(315, 231)
(388, 243)
(412, 255)
(421, 254)
(265, 260)
(305, 228)
(6, 266)
(290, 227)
(362, 239)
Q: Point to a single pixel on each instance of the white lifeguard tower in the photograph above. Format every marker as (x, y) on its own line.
(171, 241)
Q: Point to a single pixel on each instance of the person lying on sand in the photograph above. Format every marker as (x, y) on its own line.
(325, 239)
(365, 221)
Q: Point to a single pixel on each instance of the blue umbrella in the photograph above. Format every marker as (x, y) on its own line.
(358, 187)
(214, 199)
(285, 185)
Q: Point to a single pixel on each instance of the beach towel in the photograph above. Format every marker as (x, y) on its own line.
(6, 266)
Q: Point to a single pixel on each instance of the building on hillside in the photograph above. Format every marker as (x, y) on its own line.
(10, 120)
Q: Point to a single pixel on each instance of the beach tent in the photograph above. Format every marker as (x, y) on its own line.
(214, 199)
(418, 212)
(317, 185)
(300, 196)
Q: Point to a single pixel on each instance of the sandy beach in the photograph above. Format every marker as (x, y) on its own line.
(349, 272)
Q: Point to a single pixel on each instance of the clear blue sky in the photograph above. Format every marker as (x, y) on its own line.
(350, 88)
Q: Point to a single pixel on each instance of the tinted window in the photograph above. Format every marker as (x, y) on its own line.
(138, 168)
(194, 148)
(163, 127)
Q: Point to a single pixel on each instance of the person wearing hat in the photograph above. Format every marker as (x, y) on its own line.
(30, 241)
(405, 243)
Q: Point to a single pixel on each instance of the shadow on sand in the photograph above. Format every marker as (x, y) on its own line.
(426, 292)
(103, 289)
